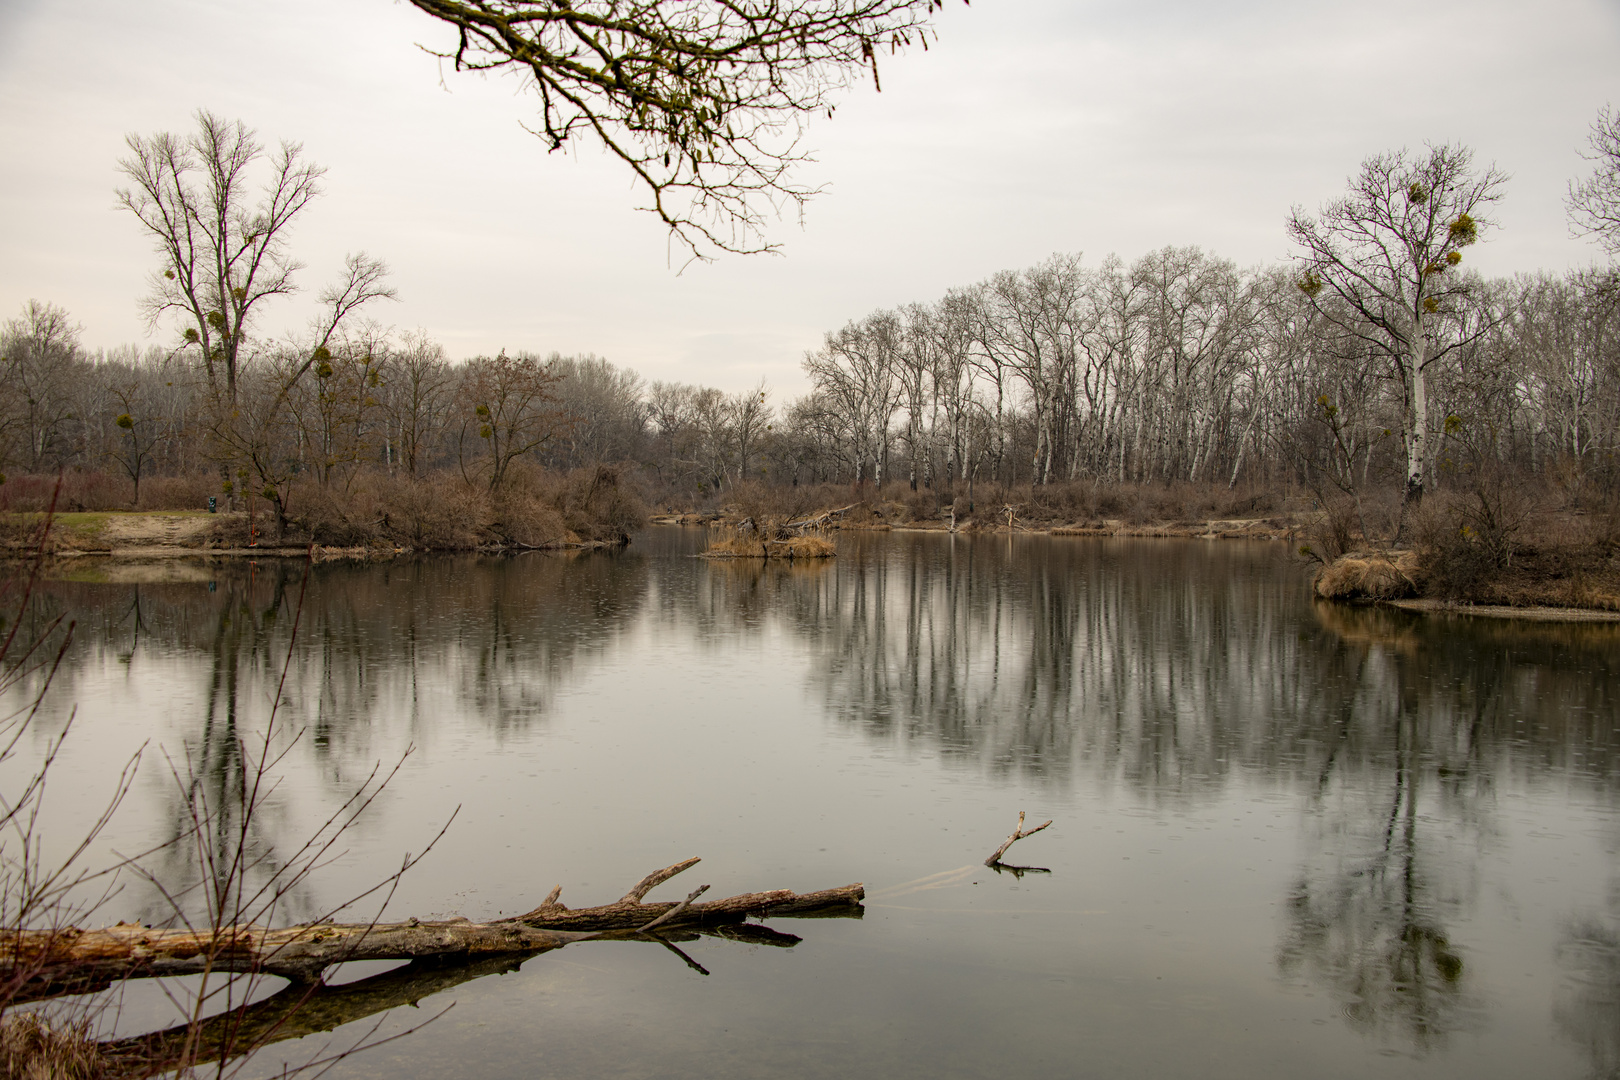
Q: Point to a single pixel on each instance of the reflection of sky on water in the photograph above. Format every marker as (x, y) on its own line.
(1268, 814)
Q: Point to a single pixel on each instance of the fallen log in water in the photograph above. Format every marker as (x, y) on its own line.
(299, 1009)
(72, 960)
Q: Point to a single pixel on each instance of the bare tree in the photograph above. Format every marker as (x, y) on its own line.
(702, 100)
(1594, 203)
(225, 252)
(144, 418)
(751, 421)
(224, 249)
(1388, 252)
(606, 414)
(40, 368)
(416, 391)
(855, 372)
(506, 406)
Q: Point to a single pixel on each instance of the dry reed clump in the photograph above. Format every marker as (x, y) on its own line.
(1369, 576)
(738, 547)
(31, 1048)
(770, 541)
(801, 547)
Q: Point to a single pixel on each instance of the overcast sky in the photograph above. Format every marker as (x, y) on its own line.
(1035, 126)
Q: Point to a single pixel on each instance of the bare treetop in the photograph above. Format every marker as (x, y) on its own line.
(1383, 263)
(1594, 203)
(704, 100)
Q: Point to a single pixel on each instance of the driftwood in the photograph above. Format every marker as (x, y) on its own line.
(1017, 834)
(72, 960)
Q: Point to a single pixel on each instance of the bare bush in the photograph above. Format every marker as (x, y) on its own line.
(1334, 533)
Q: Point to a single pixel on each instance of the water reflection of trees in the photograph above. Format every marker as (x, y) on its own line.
(1166, 666)
(1431, 713)
(1174, 668)
(1161, 665)
(493, 635)
(384, 655)
(1587, 1008)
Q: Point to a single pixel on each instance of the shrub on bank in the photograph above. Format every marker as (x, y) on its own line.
(442, 511)
(30, 493)
(595, 503)
(1466, 553)
(373, 507)
(1065, 502)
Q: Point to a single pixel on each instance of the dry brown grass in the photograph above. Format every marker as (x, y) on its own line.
(1551, 558)
(32, 1048)
(802, 547)
(1369, 576)
(597, 503)
(737, 547)
(770, 543)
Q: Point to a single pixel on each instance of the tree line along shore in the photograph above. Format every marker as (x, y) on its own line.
(1560, 558)
(1414, 404)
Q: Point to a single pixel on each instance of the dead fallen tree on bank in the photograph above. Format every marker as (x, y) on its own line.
(821, 520)
(73, 960)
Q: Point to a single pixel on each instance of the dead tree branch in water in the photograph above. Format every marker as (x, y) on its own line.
(1017, 835)
(72, 960)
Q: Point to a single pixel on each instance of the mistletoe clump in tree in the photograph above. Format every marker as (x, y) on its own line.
(1383, 265)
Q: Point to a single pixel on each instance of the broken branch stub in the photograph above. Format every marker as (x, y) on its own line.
(1018, 834)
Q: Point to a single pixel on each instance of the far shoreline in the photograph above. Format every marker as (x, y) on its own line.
(142, 536)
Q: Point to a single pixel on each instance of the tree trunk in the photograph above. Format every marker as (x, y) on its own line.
(72, 960)
(1417, 429)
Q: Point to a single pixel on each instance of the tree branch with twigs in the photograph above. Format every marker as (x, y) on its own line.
(703, 101)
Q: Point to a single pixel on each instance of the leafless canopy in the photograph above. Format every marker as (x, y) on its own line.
(1594, 203)
(1383, 264)
(704, 100)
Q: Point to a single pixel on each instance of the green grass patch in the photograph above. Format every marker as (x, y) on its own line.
(71, 530)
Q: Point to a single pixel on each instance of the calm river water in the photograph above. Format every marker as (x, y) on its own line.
(1289, 839)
